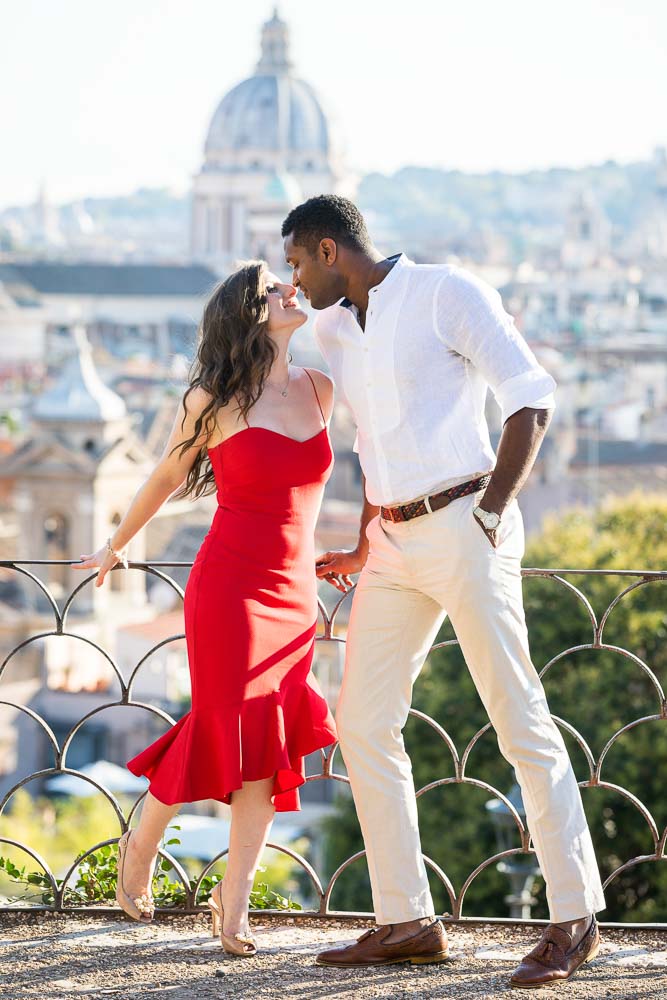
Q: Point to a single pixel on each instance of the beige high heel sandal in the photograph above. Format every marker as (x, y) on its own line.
(239, 944)
(142, 907)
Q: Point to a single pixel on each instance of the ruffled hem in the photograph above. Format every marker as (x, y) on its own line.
(209, 753)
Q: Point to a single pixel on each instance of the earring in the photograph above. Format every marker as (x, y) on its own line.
(289, 358)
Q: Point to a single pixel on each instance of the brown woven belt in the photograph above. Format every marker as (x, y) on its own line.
(406, 511)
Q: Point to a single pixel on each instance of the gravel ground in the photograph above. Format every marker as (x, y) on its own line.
(53, 957)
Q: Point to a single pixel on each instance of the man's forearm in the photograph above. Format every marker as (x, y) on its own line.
(369, 511)
(519, 444)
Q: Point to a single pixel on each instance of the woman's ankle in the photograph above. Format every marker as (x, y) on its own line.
(140, 846)
(235, 905)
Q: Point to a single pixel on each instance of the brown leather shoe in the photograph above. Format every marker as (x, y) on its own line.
(553, 960)
(428, 945)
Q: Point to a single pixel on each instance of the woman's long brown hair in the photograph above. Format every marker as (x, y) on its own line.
(234, 357)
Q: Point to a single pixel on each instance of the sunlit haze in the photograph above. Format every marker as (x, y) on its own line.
(103, 98)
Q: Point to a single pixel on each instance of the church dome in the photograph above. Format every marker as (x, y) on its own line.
(272, 110)
(79, 394)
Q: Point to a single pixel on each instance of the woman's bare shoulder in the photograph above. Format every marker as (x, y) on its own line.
(321, 379)
(196, 398)
(219, 421)
(325, 388)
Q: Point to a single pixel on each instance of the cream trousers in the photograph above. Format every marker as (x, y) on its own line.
(417, 572)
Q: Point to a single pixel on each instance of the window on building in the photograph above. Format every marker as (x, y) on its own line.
(88, 746)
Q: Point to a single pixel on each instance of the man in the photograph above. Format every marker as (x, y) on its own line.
(412, 349)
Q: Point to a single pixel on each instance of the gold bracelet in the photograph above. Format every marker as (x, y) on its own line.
(120, 556)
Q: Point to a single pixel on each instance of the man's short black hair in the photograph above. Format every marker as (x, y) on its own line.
(327, 216)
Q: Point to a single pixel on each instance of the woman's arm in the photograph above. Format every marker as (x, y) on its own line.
(169, 473)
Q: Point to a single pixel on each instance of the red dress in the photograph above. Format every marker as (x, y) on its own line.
(250, 617)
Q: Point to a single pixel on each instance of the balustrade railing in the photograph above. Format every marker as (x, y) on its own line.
(322, 889)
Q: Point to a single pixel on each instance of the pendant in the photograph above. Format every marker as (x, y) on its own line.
(284, 392)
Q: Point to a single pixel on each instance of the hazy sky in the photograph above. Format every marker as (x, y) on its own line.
(99, 97)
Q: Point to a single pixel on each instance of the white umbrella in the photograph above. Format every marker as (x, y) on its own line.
(203, 837)
(108, 775)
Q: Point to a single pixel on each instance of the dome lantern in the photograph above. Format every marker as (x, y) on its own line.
(275, 47)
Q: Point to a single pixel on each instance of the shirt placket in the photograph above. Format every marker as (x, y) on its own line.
(367, 344)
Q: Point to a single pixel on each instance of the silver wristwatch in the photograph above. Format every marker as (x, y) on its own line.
(487, 517)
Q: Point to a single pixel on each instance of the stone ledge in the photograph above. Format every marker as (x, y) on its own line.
(53, 957)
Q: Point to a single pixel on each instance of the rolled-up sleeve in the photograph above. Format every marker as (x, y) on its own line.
(471, 321)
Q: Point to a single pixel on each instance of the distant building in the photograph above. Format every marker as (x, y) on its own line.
(69, 482)
(587, 233)
(656, 224)
(148, 309)
(74, 474)
(269, 146)
(46, 222)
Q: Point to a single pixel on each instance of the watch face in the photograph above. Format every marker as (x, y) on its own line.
(489, 519)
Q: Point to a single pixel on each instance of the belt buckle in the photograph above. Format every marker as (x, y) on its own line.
(398, 513)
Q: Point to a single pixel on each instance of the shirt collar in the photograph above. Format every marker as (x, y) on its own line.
(400, 261)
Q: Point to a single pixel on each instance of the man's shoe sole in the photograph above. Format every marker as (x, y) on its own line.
(555, 982)
(438, 956)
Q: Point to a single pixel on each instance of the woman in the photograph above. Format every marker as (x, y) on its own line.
(255, 428)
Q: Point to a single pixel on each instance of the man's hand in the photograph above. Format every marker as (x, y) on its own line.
(517, 450)
(491, 533)
(336, 567)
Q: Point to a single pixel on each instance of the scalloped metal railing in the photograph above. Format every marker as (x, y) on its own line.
(322, 888)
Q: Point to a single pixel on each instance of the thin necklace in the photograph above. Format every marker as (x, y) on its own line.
(283, 392)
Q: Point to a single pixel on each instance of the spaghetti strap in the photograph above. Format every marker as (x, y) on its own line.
(316, 396)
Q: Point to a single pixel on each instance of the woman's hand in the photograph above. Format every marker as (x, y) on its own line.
(103, 558)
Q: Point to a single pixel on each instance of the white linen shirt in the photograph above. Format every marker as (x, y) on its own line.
(416, 378)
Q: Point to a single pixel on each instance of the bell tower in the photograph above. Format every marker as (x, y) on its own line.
(75, 476)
